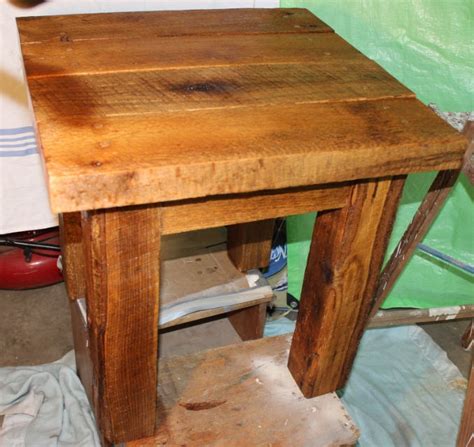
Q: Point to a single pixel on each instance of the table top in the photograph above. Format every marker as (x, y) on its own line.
(135, 108)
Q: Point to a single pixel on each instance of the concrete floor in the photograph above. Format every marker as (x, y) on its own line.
(35, 328)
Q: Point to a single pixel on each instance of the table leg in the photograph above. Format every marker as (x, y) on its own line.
(72, 254)
(249, 244)
(70, 231)
(346, 254)
(249, 322)
(121, 252)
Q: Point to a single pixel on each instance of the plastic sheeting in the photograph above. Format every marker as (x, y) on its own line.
(427, 45)
(403, 391)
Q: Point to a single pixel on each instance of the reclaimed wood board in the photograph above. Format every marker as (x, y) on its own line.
(147, 25)
(87, 57)
(111, 165)
(243, 395)
(121, 252)
(158, 114)
(346, 254)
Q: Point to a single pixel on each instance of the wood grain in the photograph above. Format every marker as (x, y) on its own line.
(70, 233)
(189, 89)
(72, 250)
(397, 317)
(152, 108)
(249, 323)
(122, 277)
(345, 257)
(160, 116)
(468, 166)
(414, 234)
(243, 395)
(111, 165)
(217, 211)
(150, 25)
(467, 339)
(80, 58)
(249, 244)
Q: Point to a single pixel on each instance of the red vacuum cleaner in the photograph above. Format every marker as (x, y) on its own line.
(30, 259)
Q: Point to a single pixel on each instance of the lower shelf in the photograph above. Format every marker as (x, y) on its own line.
(243, 395)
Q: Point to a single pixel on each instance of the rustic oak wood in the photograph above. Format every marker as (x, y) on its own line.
(124, 109)
(249, 322)
(414, 234)
(346, 253)
(217, 211)
(397, 317)
(249, 244)
(135, 92)
(422, 220)
(85, 57)
(468, 165)
(219, 118)
(467, 340)
(122, 277)
(382, 137)
(70, 232)
(243, 395)
(148, 25)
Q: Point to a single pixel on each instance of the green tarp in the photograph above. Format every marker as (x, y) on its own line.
(428, 45)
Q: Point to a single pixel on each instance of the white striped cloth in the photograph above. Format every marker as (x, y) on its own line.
(17, 142)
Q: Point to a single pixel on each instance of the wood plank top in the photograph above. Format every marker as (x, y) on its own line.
(136, 108)
(123, 25)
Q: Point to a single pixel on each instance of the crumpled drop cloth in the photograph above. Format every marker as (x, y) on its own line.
(403, 390)
(45, 406)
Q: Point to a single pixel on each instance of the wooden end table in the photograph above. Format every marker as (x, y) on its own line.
(164, 122)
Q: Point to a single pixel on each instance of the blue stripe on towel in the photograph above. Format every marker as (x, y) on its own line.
(6, 154)
(24, 144)
(16, 130)
(13, 146)
(12, 140)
